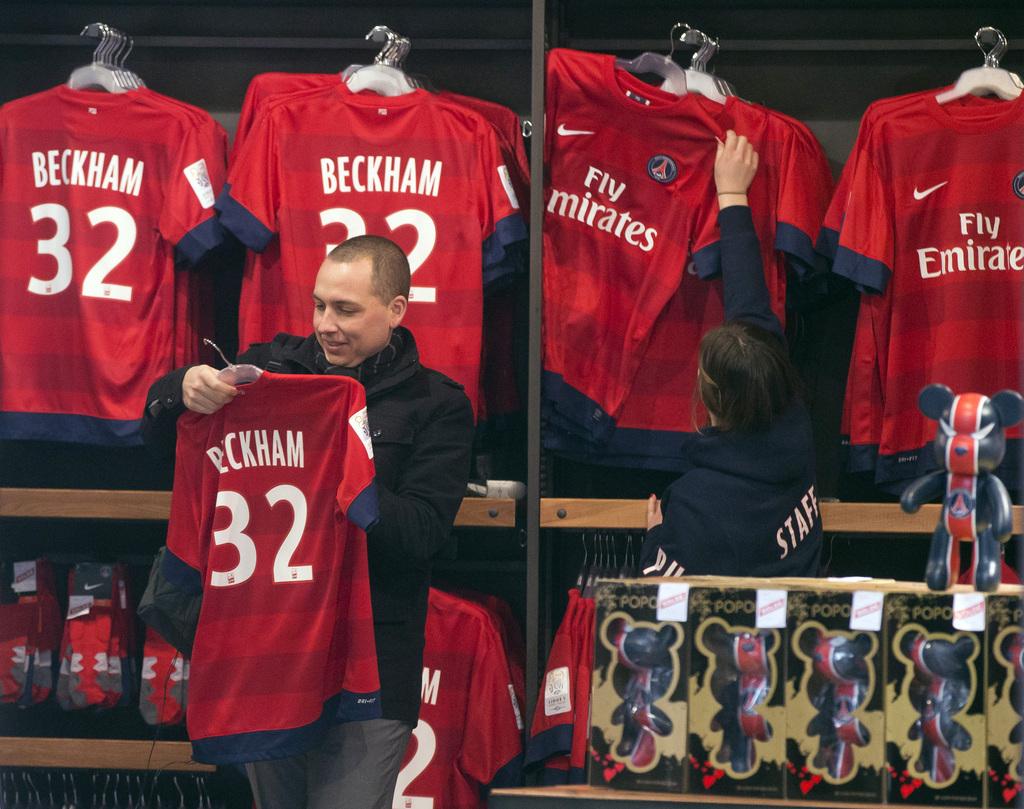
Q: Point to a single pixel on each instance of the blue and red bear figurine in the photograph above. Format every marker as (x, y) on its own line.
(969, 445)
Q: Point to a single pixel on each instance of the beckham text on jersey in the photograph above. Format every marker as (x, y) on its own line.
(88, 168)
(249, 448)
(388, 174)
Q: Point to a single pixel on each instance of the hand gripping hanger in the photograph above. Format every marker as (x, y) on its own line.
(990, 78)
(698, 79)
(385, 76)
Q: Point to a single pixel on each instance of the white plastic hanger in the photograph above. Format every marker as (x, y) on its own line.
(989, 79)
(698, 79)
(649, 62)
(385, 76)
(99, 74)
(234, 374)
(107, 69)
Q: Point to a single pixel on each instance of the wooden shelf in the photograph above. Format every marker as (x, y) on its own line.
(483, 512)
(103, 504)
(475, 512)
(596, 798)
(98, 754)
(847, 518)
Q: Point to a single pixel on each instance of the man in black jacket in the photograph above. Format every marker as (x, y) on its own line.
(421, 427)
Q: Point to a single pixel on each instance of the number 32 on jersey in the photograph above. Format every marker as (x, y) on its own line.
(420, 221)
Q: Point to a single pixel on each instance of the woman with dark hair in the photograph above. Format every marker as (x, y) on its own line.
(745, 505)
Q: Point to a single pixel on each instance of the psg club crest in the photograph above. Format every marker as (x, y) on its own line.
(663, 169)
(1018, 184)
(960, 503)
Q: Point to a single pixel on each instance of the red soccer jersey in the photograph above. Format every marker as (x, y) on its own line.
(469, 733)
(323, 166)
(271, 497)
(832, 222)
(499, 399)
(628, 172)
(504, 121)
(584, 649)
(193, 300)
(99, 192)
(788, 197)
(863, 406)
(561, 718)
(947, 256)
(508, 628)
(787, 200)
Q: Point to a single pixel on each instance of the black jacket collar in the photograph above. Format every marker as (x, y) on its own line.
(399, 360)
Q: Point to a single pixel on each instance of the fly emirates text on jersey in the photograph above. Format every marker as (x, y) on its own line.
(248, 448)
(583, 208)
(981, 252)
(86, 167)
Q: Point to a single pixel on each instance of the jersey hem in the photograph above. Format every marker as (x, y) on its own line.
(69, 428)
(578, 408)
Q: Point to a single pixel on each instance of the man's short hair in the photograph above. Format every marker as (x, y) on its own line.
(390, 266)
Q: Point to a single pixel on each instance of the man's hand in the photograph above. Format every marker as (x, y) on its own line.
(735, 167)
(202, 392)
(653, 512)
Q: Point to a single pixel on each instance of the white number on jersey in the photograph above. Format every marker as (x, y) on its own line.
(426, 239)
(235, 535)
(93, 285)
(426, 746)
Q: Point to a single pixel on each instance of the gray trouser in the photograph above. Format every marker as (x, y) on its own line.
(355, 767)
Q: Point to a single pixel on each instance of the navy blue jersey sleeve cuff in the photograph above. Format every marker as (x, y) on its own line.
(867, 273)
(364, 510)
(828, 243)
(239, 220)
(554, 741)
(798, 245)
(199, 241)
(497, 259)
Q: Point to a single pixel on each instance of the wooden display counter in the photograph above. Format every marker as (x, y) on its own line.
(594, 798)
(99, 754)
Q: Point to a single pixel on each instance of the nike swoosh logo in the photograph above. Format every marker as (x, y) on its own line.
(919, 195)
(91, 586)
(563, 131)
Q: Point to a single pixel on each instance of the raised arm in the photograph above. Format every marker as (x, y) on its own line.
(744, 288)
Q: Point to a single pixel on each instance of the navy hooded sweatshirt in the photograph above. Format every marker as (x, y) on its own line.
(745, 505)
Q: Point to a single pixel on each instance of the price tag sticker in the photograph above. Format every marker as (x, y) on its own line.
(866, 610)
(969, 611)
(771, 609)
(673, 602)
(79, 606)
